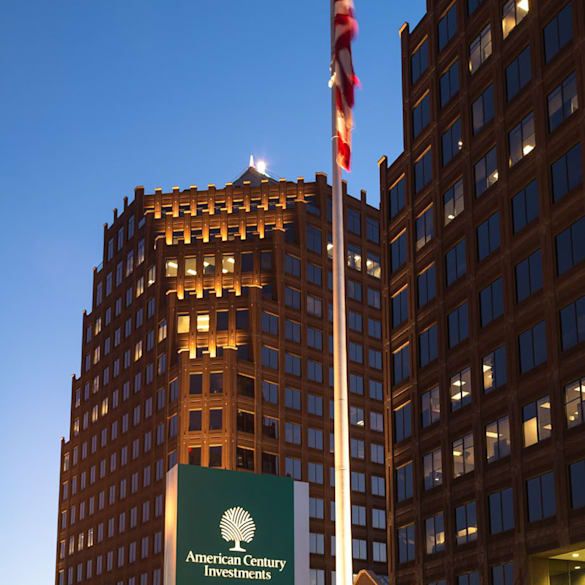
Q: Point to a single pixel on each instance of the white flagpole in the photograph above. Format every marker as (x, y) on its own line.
(343, 545)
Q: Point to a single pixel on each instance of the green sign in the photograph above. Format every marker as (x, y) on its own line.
(230, 527)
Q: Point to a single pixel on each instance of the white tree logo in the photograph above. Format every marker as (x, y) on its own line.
(236, 524)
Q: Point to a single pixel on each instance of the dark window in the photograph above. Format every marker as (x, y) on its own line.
(314, 239)
(401, 364)
(488, 236)
(265, 261)
(458, 323)
(404, 482)
(314, 338)
(292, 265)
(518, 73)
(423, 172)
(541, 497)
(447, 27)
(566, 173)
(577, 477)
(194, 420)
(528, 276)
(453, 203)
(398, 252)
(491, 300)
(525, 206)
(245, 421)
(215, 419)
(472, 5)
(242, 319)
(419, 61)
(501, 511)
(292, 398)
(402, 422)
(503, 574)
(483, 109)
(400, 307)
(570, 245)
(292, 331)
(247, 262)
(426, 287)
(372, 230)
(245, 458)
(269, 323)
(532, 345)
(562, 102)
(314, 274)
(245, 386)
(222, 320)
(354, 222)
(573, 323)
(406, 544)
(424, 228)
(421, 115)
(494, 369)
(397, 198)
(468, 579)
(455, 263)
(270, 392)
(292, 364)
(521, 140)
(216, 383)
(451, 142)
(269, 357)
(428, 349)
(558, 33)
(292, 298)
(449, 83)
(485, 172)
(195, 383)
(270, 463)
(194, 455)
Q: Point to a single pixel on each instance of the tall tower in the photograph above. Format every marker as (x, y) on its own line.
(483, 231)
(209, 343)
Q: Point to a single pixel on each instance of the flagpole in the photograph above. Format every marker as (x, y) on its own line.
(343, 544)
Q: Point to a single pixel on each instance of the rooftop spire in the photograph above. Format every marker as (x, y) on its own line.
(251, 161)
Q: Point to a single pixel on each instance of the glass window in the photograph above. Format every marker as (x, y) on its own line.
(247, 259)
(171, 268)
(536, 423)
(460, 389)
(292, 298)
(562, 102)
(488, 236)
(501, 506)
(401, 364)
(494, 369)
(423, 171)
(269, 357)
(570, 246)
(482, 109)
(491, 300)
(215, 419)
(404, 482)
(447, 26)
(521, 140)
(354, 290)
(208, 264)
(398, 252)
(463, 455)
(426, 286)
(480, 49)
(292, 398)
(406, 544)
(227, 264)
(354, 222)
(540, 492)
(397, 196)
(373, 266)
(468, 579)
(314, 274)
(354, 257)
(453, 203)
(566, 173)
(472, 5)
(314, 239)
(455, 262)
(525, 206)
(400, 307)
(532, 344)
(430, 407)
(458, 325)
(518, 74)
(402, 422)
(466, 523)
(497, 439)
(451, 142)
(449, 83)
(432, 469)
(419, 61)
(428, 349)
(503, 574)
(292, 265)
(421, 115)
(528, 274)
(513, 13)
(435, 533)
(269, 323)
(292, 364)
(202, 322)
(577, 480)
(572, 319)
(558, 32)
(373, 230)
(424, 228)
(485, 172)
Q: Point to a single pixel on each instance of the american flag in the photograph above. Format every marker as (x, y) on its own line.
(344, 80)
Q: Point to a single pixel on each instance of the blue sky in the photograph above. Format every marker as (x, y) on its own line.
(98, 97)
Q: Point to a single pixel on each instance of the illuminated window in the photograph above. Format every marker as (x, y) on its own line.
(466, 523)
(209, 265)
(227, 264)
(190, 266)
(202, 322)
(521, 140)
(171, 267)
(480, 49)
(536, 421)
(460, 389)
(497, 438)
(463, 455)
(183, 322)
(513, 13)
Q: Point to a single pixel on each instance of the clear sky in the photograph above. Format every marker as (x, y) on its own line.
(99, 96)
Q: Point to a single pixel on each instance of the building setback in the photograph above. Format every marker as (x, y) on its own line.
(209, 342)
(484, 297)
